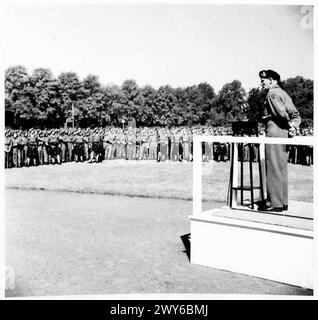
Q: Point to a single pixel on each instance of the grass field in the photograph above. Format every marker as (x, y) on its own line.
(64, 243)
(149, 179)
(78, 242)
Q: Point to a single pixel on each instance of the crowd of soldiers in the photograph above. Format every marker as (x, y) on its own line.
(56, 146)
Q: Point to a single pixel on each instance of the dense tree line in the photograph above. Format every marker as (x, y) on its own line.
(41, 100)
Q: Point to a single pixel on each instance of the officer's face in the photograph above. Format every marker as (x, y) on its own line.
(266, 83)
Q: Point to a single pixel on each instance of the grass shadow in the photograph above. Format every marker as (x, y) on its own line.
(186, 239)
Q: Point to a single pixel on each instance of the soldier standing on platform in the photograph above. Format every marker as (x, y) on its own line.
(281, 119)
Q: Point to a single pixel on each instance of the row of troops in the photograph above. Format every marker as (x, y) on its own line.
(55, 146)
(38, 147)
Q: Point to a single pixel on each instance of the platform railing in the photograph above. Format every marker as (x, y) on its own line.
(197, 156)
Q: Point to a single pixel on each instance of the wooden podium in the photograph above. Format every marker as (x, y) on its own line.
(237, 183)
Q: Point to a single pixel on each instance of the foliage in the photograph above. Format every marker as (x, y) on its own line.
(301, 91)
(45, 101)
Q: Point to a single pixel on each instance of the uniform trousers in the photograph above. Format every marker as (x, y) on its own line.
(276, 167)
(186, 151)
(131, 151)
(153, 150)
(109, 151)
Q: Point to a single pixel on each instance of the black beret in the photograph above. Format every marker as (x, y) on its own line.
(269, 74)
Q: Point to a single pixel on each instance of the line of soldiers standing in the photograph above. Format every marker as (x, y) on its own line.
(56, 146)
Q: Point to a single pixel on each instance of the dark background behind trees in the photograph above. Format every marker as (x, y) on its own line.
(40, 100)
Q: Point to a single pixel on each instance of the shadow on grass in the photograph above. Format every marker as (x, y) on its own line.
(186, 242)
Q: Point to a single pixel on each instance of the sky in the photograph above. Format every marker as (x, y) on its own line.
(179, 44)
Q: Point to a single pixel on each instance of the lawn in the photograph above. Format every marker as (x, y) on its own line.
(78, 242)
(145, 178)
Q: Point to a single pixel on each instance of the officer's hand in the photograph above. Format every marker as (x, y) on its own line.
(292, 132)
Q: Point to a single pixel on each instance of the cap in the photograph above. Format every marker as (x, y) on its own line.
(266, 74)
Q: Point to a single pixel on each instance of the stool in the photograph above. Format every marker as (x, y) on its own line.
(237, 156)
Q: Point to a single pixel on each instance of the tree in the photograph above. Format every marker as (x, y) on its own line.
(130, 106)
(18, 94)
(90, 105)
(45, 97)
(116, 102)
(216, 114)
(180, 111)
(41, 99)
(165, 106)
(146, 106)
(69, 87)
(231, 100)
(206, 95)
(301, 91)
(255, 101)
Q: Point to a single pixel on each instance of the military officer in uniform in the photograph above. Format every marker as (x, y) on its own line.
(32, 152)
(87, 138)
(78, 146)
(131, 144)
(41, 147)
(186, 137)
(8, 149)
(62, 145)
(14, 140)
(282, 120)
(97, 147)
(54, 147)
(20, 149)
(25, 142)
(45, 140)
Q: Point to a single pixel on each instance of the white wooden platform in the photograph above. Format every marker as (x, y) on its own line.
(270, 246)
(275, 247)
